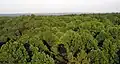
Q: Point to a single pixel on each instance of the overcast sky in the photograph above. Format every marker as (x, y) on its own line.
(58, 6)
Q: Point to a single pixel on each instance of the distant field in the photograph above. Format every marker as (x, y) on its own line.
(66, 39)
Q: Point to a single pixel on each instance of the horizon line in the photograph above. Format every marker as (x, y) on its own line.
(58, 12)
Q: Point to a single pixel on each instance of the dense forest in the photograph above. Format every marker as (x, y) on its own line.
(66, 39)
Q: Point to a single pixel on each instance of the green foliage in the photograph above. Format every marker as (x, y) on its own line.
(86, 39)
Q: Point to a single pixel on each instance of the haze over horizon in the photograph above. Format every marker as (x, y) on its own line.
(58, 6)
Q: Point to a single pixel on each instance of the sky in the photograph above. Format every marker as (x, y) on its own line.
(58, 6)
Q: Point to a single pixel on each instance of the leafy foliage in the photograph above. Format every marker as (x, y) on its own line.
(67, 39)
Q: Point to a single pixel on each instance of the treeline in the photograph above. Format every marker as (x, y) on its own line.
(69, 39)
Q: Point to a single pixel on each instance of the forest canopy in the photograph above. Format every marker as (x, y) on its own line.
(66, 39)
